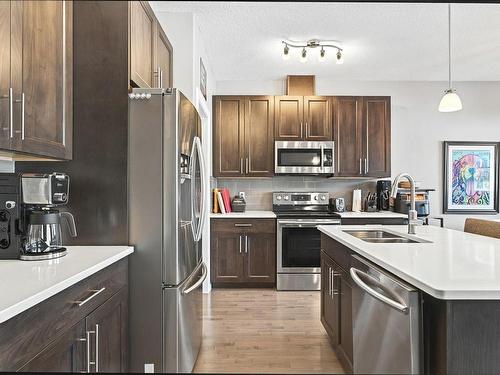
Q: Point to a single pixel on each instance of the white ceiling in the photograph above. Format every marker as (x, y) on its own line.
(382, 41)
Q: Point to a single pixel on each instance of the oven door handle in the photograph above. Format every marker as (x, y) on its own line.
(307, 223)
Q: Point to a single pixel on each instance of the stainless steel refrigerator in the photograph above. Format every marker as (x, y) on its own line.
(167, 197)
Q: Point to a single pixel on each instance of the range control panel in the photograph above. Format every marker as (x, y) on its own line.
(282, 198)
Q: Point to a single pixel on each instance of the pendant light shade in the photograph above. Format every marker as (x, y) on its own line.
(450, 102)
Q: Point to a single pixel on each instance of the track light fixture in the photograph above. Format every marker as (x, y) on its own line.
(311, 44)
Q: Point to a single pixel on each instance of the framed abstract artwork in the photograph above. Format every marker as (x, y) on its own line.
(470, 177)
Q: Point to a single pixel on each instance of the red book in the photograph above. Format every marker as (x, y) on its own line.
(227, 200)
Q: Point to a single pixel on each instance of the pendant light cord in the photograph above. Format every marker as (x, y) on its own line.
(449, 46)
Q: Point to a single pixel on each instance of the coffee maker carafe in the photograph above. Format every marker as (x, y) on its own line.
(42, 221)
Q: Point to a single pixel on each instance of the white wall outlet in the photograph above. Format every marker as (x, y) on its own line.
(242, 194)
(149, 368)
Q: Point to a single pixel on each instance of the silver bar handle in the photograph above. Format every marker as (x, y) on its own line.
(334, 275)
(240, 242)
(247, 244)
(23, 101)
(329, 281)
(199, 282)
(307, 129)
(11, 112)
(360, 170)
(301, 129)
(243, 225)
(247, 166)
(366, 165)
(97, 348)
(95, 292)
(241, 165)
(89, 362)
(322, 148)
(398, 305)
(161, 78)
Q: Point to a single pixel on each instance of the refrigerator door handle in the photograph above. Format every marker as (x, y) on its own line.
(204, 192)
(199, 282)
(192, 172)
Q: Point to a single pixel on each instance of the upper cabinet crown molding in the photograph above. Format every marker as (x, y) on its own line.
(150, 52)
(36, 78)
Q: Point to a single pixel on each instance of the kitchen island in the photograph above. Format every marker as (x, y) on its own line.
(457, 275)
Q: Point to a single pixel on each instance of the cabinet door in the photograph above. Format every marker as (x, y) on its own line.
(318, 118)
(288, 118)
(377, 136)
(163, 64)
(259, 136)
(42, 71)
(260, 258)
(345, 346)
(329, 299)
(226, 259)
(228, 136)
(347, 125)
(5, 25)
(65, 354)
(107, 326)
(142, 31)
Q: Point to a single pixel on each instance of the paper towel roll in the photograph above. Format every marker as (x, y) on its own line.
(356, 200)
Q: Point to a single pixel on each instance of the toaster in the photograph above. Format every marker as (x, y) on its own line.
(337, 204)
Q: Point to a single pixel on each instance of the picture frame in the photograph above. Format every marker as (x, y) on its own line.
(203, 79)
(471, 177)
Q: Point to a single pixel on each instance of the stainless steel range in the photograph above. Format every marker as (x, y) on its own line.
(298, 239)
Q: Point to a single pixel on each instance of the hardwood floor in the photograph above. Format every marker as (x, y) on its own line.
(264, 331)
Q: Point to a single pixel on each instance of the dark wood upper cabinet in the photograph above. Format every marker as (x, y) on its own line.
(36, 78)
(259, 136)
(142, 44)
(318, 118)
(362, 135)
(228, 138)
(5, 51)
(347, 135)
(288, 118)
(164, 59)
(377, 136)
(108, 333)
(243, 136)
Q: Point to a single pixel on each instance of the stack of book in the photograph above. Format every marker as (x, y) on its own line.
(222, 201)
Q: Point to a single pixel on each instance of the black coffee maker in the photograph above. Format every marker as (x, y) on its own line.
(383, 194)
(10, 214)
(41, 195)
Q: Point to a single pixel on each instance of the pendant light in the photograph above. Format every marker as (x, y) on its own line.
(451, 101)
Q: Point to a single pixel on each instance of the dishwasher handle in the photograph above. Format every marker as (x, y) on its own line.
(357, 277)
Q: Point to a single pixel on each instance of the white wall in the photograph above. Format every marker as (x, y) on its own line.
(418, 129)
(7, 166)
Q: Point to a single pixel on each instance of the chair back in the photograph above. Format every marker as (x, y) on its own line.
(482, 227)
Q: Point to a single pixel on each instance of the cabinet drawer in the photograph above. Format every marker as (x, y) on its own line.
(26, 334)
(244, 225)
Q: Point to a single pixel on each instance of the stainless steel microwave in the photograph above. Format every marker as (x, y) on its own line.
(295, 157)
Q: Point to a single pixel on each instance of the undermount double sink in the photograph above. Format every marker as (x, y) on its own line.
(381, 236)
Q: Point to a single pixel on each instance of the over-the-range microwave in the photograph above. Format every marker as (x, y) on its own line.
(304, 158)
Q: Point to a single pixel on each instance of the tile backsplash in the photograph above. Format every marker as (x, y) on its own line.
(259, 191)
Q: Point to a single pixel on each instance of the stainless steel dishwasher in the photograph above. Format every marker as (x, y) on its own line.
(387, 322)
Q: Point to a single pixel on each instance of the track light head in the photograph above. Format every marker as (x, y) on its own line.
(303, 56)
(322, 56)
(340, 57)
(286, 52)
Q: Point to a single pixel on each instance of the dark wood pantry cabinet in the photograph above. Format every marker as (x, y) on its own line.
(36, 78)
(243, 252)
(303, 118)
(150, 49)
(243, 140)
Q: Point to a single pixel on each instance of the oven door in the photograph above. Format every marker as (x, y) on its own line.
(299, 244)
(303, 157)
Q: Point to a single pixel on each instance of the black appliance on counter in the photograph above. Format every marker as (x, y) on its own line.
(10, 239)
(383, 195)
(298, 241)
(337, 204)
(422, 203)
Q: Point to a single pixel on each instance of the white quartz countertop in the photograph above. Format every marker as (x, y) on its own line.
(245, 215)
(23, 284)
(453, 265)
(371, 215)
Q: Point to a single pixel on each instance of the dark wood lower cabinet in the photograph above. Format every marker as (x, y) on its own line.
(56, 334)
(243, 252)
